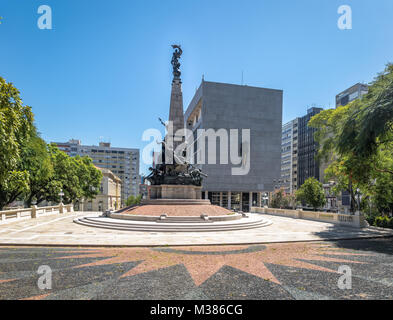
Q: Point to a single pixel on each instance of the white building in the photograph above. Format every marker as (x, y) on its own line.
(288, 176)
(357, 91)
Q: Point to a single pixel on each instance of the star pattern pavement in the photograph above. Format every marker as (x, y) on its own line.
(269, 271)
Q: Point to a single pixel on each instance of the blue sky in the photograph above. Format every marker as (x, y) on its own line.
(103, 71)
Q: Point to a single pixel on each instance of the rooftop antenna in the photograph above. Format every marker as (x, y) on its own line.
(203, 77)
(242, 77)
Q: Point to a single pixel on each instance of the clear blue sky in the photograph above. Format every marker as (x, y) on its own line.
(104, 70)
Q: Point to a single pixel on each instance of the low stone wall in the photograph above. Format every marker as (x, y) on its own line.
(33, 212)
(337, 218)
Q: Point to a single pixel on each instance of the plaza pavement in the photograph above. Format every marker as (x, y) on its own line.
(59, 230)
(173, 269)
(305, 271)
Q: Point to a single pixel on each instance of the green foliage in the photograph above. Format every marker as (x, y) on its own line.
(311, 193)
(36, 160)
(132, 200)
(76, 176)
(384, 222)
(382, 190)
(89, 177)
(358, 141)
(16, 126)
(282, 200)
(376, 116)
(29, 168)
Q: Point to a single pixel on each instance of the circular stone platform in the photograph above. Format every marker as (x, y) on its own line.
(124, 222)
(159, 209)
(174, 215)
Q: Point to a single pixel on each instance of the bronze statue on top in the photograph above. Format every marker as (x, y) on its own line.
(180, 172)
(175, 61)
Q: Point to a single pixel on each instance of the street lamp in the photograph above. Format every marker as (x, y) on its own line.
(265, 199)
(61, 194)
(358, 198)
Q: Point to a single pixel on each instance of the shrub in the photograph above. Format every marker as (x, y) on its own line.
(383, 222)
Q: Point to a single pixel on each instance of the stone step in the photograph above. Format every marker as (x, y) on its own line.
(150, 227)
(187, 224)
(174, 228)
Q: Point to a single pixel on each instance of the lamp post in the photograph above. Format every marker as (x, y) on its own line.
(358, 198)
(61, 194)
(265, 199)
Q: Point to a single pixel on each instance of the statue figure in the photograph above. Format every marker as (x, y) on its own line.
(175, 61)
(181, 172)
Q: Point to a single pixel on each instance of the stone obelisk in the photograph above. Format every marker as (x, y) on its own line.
(176, 117)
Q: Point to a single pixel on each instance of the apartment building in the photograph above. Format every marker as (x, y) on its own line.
(355, 92)
(289, 145)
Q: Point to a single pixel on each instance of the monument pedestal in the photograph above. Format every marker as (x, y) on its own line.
(166, 191)
(175, 195)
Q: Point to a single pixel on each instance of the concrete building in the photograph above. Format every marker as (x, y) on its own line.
(228, 106)
(355, 92)
(307, 164)
(123, 162)
(109, 197)
(288, 179)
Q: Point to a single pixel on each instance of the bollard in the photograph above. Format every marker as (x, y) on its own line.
(61, 208)
(34, 212)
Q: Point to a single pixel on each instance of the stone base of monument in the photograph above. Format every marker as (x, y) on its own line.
(179, 195)
(178, 202)
(175, 208)
(166, 191)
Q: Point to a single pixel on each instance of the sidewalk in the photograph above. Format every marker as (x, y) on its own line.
(60, 230)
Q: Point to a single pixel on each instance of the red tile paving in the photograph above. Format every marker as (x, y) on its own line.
(178, 210)
(6, 280)
(39, 297)
(201, 265)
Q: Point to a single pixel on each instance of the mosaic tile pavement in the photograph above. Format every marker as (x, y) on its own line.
(269, 271)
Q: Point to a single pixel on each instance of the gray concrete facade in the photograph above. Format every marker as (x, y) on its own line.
(228, 106)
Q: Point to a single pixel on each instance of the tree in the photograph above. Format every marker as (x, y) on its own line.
(132, 200)
(311, 193)
(32, 171)
(89, 177)
(280, 199)
(76, 176)
(16, 125)
(37, 161)
(376, 117)
(358, 139)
